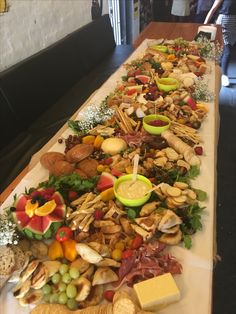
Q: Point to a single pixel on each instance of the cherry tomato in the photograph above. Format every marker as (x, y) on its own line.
(63, 234)
(106, 161)
(116, 254)
(72, 195)
(127, 253)
(137, 242)
(108, 295)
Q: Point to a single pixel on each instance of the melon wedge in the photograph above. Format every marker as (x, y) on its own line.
(45, 220)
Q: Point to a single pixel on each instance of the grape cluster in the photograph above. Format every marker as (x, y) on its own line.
(71, 141)
(60, 289)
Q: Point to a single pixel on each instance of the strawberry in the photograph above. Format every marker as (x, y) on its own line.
(98, 214)
(72, 195)
(116, 173)
(108, 295)
(198, 150)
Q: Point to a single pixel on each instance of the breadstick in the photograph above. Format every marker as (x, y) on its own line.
(181, 148)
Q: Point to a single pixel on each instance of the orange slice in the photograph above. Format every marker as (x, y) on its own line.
(30, 208)
(46, 208)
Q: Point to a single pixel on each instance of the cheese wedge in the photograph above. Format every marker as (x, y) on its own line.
(155, 293)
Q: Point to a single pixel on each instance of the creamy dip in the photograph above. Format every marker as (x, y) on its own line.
(130, 190)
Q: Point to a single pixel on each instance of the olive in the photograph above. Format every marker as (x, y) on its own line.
(196, 124)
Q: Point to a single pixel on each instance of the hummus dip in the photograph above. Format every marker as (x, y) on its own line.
(130, 190)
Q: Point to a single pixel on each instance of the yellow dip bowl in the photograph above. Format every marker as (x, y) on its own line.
(167, 84)
(132, 202)
(155, 129)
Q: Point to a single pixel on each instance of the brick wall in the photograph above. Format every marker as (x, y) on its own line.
(31, 25)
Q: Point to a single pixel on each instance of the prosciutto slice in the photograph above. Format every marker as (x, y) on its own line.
(147, 262)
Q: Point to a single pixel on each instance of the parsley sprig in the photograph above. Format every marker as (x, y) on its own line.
(191, 217)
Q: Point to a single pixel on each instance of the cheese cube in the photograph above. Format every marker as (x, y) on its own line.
(156, 293)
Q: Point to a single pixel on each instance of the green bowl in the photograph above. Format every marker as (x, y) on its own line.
(167, 84)
(161, 48)
(132, 202)
(155, 129)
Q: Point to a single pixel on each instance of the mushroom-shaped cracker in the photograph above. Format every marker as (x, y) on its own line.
(171, 238)
(168, 221)
(88, 254)
(52, 267)
(104, 275)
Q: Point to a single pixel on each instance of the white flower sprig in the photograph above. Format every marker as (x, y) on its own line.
(202, 92)
(8, 234)
(92, 116)
(209, 50)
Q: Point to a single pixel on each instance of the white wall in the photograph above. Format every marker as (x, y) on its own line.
(31, 25)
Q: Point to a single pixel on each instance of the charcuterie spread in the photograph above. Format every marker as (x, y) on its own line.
(83, 234)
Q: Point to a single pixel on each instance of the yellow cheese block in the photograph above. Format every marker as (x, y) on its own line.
(156, 293)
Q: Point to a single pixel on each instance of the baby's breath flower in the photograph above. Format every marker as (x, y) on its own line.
(91, 117)
(202, 92)
(209, 50)
(8, 233)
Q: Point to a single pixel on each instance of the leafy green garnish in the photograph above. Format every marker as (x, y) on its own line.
(187, 241)
(73, 181)
(193, 172)
(175, 174)
(201, 195)
(191, 217)
(155, 65)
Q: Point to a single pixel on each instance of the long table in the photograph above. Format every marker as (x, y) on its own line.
(165, 30)
(196, 282)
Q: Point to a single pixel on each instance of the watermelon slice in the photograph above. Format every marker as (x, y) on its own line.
(21, 202)
(39, 227)
(191, 102)
(21, 217)
(105, 181)
(35, 225)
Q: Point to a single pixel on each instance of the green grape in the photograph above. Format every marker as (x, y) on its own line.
(66, 278)
(71, 291)
(53, 298)
(63, 269)
(46, 298)
(56, 278)
(72, 304)
(47, 289)
(62, 298)
(74, 272)
(62, 287)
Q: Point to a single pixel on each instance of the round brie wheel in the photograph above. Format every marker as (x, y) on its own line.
(113, 145)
